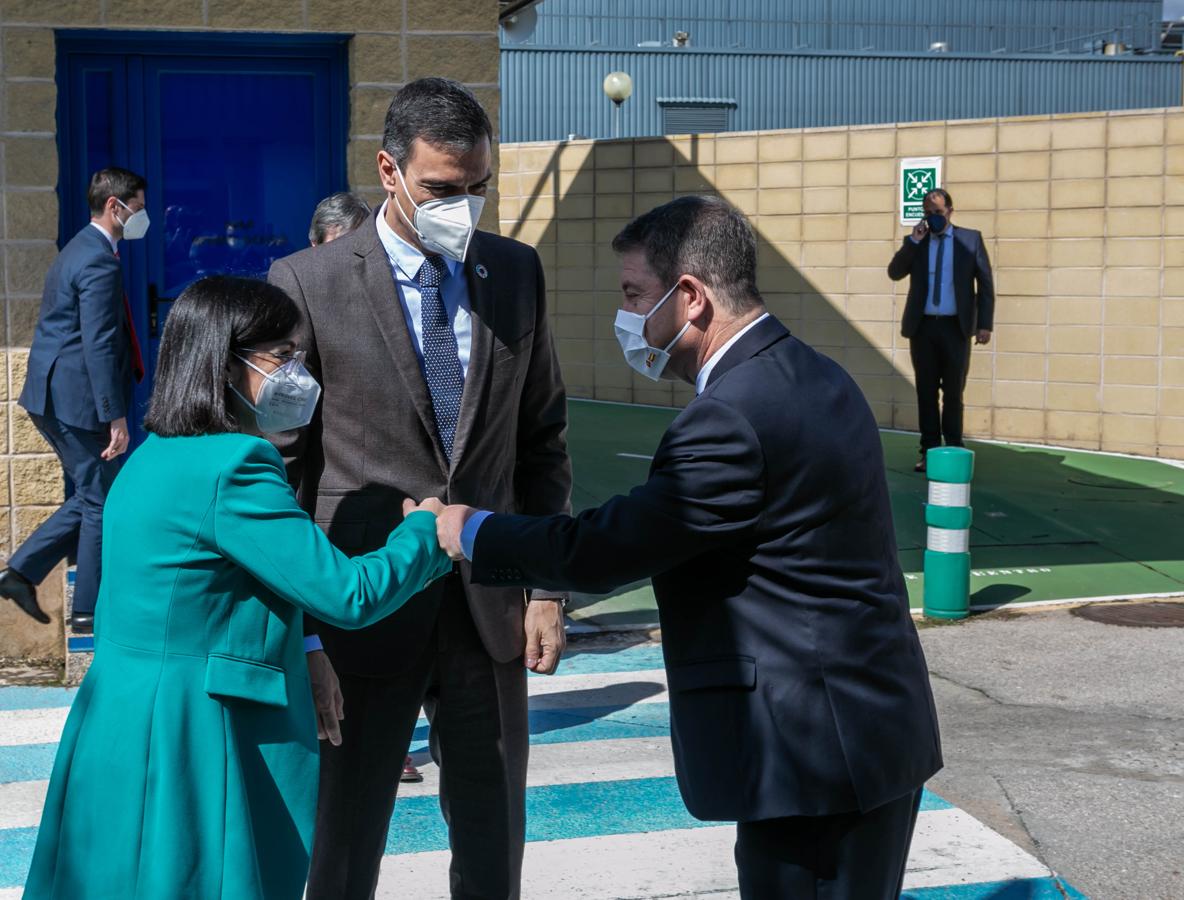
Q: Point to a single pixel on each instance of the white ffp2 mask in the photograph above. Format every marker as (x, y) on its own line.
(444, 226)
(287, 398)
(137, 223)
(641, 357)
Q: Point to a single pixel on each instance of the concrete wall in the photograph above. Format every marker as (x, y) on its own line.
(1083, 216)
(393, 41)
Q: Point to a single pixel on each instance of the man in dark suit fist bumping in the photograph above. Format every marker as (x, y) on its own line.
(951, 299)
(799, 697)
(439, 379)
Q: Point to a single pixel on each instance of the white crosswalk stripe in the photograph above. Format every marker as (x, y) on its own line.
(21, 803)
(21, 727)
(614, 760)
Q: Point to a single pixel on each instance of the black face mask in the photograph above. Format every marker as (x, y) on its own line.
(936, 221)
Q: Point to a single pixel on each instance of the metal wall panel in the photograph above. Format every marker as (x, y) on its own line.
(968, 26)
(549, 94)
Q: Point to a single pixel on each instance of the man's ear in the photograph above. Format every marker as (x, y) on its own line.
(700, 299)
(387, 175)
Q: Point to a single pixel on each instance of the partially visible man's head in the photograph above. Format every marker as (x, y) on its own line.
(437, 111)
(701, 236)
(125, 186)
(336, 215)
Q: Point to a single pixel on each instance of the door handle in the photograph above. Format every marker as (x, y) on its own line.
(154, 301)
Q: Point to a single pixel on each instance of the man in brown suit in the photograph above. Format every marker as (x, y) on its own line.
(440, 379)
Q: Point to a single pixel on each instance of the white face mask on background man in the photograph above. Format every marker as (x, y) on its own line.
(136, 225)
(641, 357)
(286, 399)
(444, 226)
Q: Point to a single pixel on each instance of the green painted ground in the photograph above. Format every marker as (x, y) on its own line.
(1049, 524)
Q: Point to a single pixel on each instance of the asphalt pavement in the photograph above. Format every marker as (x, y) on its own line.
(1067, 736)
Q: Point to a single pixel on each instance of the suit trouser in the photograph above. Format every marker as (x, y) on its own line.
(941, 359)
(478, 737)
(849, 856)
(77, 526)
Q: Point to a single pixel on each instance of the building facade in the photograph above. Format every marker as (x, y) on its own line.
(1083, 217)
(815, 63)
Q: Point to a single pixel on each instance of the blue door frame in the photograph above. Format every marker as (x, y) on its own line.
(192, 112)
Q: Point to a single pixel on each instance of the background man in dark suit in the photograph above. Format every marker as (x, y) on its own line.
(951, 298)
(799, 697)
(78, 390)
(440, 380)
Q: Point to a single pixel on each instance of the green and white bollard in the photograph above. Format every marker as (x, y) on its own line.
(948, 515)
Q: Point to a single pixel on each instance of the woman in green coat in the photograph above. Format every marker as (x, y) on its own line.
(188, 764)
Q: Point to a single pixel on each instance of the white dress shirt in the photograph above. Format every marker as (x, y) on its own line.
(405, 261)
(705, 372)
(114, 244)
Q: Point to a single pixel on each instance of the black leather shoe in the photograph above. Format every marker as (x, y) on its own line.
(17, 588)
(920, 466)
(82, 623)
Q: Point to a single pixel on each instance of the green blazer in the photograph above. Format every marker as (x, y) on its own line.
(188, 764)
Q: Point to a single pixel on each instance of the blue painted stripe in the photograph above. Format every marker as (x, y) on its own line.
(566, 811)
(81, 643)
(16, 854)
(555, 812)
(618, 659)
(1020, 889)
(930, 802)
(28, 762)
(35, 698)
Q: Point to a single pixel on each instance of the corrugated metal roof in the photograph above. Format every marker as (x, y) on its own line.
(549, 94)
(905, 25)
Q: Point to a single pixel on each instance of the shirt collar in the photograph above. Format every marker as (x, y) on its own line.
(114, 244)
(406, 258)
(705, 372)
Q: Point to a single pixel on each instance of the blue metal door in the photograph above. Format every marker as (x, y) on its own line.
(239, 136)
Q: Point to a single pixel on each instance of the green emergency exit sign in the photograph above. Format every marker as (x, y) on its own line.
(918, 176)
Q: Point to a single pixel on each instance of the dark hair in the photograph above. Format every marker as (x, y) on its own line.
(442, 112)
(702, 236)
(944, 194)
(121, 184)
(342, 212)
(212, 318)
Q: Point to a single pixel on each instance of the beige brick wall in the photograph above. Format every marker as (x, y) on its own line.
(1083, 217)
(393, 41)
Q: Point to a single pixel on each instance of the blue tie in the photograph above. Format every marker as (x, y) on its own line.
(937, 273)
(441, 361)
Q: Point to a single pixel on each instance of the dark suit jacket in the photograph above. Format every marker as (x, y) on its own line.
(373, 440)
(80, 361)
(974, 286)
(797, 682)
